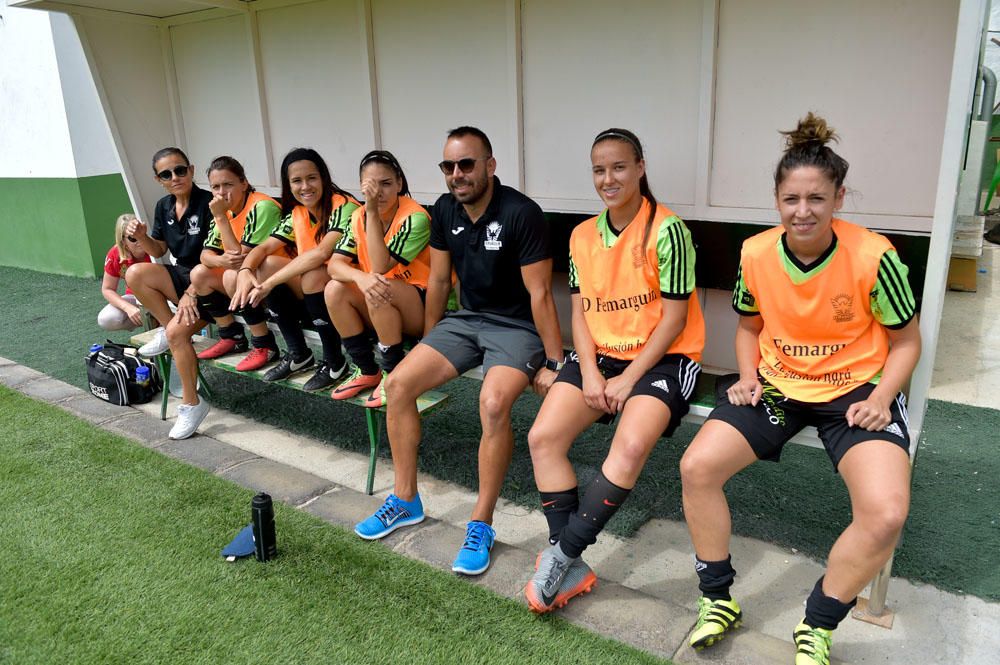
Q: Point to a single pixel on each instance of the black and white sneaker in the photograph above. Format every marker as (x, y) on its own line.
(325, 376)
(288, 366)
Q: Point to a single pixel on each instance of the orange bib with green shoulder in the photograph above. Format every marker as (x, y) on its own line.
(819, 338)
(620, 289)
(418, 271)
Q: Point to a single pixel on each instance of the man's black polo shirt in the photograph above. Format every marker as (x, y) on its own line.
(186, 236)
(488, 255)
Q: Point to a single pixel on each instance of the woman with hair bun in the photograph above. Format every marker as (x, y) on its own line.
(639, 360)
(827, 336)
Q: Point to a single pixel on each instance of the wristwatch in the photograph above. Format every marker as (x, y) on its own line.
(554, 365)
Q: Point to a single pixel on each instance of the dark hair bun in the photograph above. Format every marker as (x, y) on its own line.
(812, 131)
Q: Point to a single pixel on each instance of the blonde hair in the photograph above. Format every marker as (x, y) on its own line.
(120, 225)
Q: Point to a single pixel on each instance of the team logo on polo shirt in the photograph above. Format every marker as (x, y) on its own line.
(843, 308)
(193, 226)
(493, 236)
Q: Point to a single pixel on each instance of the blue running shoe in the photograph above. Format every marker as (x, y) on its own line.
(474, 557)
(393, 514)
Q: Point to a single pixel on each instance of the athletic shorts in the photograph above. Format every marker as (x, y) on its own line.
(776, 419)
(672, 381)
(180, 276)
(468, 339)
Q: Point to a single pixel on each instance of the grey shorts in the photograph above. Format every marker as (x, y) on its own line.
(468, 339)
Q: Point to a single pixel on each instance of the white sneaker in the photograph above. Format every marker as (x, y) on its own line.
(157, 345)
(189, 417)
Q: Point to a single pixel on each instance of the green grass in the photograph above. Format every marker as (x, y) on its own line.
(949, 540)
(110, 553)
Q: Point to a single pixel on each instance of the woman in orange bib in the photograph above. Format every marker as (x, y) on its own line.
(638, 334)
(379, 276)
(315, 213)
(242, 219)
(827, 336)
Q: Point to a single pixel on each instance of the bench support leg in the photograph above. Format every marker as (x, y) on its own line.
(374, 419)
(163, 364)
(872, 609)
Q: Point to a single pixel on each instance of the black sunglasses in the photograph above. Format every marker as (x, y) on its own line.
(179, 171)
(132, 239)
(464, 165)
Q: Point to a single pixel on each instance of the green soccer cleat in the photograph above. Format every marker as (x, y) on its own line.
(812, 645)
(715, 619)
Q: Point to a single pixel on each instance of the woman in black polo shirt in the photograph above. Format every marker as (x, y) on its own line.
(180, 225)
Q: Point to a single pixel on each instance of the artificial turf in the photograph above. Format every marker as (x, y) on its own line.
(109, 552)
(949, 540)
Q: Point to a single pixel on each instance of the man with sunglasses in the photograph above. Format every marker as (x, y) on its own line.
(497, 241)
(180, 225)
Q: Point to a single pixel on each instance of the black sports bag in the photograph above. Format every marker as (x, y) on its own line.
(111, 375)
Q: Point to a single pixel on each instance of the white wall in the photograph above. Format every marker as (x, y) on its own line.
(218, 94)
(706, 84)
(93, 150)
(633, 65)
(316, 84)
(878, 71)
(127, 58)
(441, 64)
(34, 135)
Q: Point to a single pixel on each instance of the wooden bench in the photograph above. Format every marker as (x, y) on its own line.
(374, 418)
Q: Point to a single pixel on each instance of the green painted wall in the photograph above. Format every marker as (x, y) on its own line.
(60, 225)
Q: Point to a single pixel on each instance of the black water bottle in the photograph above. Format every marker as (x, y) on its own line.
(262, 516)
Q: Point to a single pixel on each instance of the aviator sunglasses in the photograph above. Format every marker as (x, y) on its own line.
(179, 171)
(464, 165)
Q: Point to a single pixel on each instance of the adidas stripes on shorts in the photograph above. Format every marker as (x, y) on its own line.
(672, 381)
(777, 418)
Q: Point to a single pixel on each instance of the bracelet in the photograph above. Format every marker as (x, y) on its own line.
(242, 269)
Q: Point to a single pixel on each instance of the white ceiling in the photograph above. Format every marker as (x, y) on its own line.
(149, 8)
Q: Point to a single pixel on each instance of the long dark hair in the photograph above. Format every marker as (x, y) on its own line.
(627, 137)
(330, 188)
(387, 158)
(806, 146)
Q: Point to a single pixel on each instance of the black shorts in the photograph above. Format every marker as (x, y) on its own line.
(672, 381)
(776, 419)
(180, 276)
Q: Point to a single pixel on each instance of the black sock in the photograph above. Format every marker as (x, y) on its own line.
(252, 315)
(392, 355)
(822, 611)
(215, 304)
(360, 348)
(285, 308)
(715, 577)
(233, 331)
(264, 341)
(601, 500)
(328, 335)
(557, 507)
